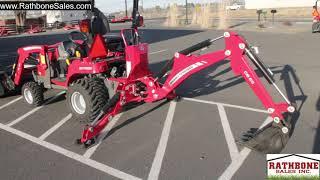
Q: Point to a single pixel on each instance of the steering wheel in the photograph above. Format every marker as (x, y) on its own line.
(83, 37)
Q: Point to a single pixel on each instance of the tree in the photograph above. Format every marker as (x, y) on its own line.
(20, 16)
(158, 9)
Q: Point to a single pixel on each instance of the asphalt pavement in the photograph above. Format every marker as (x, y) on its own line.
(190, 139)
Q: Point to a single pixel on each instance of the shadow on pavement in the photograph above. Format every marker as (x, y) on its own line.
(238, 24)
(133, 119)
(316, 144)
(157, 35)
(203, 83)
(296, 100)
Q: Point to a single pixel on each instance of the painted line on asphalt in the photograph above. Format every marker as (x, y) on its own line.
(233, 149)
(157, 52)
(157, 161)
(238, 161)
(102, 135)
(55, 127)
(92, 163)
(8, 55)
(11, 102)
(227, 105)
(34, 110)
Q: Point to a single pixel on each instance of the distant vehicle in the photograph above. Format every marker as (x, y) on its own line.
(235, 6)
(110, 17)
(121, 19)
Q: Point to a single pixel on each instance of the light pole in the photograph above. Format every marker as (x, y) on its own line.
(142, 5)
(126, 8)
(186, 12)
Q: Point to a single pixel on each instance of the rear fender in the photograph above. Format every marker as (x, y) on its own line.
(82, 68)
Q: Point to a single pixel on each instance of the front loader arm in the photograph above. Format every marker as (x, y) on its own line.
(23, 55)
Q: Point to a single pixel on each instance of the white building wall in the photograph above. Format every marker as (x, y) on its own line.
(264, 4)
(64, 16)
(52, 16)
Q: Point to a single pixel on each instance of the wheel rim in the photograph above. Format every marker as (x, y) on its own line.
(28, 96)
(78, 103)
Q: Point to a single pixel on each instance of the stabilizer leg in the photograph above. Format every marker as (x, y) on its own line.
(91, 131)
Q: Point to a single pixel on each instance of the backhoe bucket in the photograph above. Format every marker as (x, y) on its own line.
(270, 139)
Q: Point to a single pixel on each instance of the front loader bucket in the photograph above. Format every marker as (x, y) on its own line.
(268, 140)
(6, 84)
(2, 91)
(2, 87)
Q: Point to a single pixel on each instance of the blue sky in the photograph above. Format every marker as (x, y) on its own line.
(109, 6)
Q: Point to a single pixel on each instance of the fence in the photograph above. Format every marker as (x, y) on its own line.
(13, 29)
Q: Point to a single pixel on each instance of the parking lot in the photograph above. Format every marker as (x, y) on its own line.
(194, 138)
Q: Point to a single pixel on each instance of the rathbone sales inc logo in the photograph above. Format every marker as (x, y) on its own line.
(293, 165)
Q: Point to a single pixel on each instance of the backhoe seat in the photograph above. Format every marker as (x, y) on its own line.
(64, 50)
(114, 42)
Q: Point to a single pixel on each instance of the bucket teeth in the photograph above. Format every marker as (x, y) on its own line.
(270, 139)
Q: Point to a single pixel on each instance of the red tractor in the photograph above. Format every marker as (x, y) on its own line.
(73, 65)
(140, 85)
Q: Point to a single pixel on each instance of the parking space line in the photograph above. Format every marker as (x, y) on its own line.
(55, 127)
(102, 135)
(34, 110)
(236, 164)
(227, 105)
(156, 52)
(11, 102)
(157, 161)
(233, 149)
(89, 162)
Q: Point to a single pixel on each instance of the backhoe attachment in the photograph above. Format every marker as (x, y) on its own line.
(141, 86)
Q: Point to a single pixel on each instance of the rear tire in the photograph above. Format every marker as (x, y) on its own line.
(32, 93)
(86, 97)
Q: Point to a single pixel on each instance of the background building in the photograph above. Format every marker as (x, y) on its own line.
(64, 16)
(264, 4)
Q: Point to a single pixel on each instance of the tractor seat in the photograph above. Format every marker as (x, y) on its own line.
(114, 42)
(66, 50)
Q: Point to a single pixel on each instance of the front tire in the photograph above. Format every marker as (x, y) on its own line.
(86, 97)
(32, 93)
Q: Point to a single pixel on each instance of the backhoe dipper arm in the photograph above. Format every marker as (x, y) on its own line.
(235, 50)
(112, 108)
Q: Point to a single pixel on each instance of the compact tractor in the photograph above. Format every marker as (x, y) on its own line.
(75, 65)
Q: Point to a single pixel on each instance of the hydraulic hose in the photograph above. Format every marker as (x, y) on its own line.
(196, 47)
(186, 51)
(260, 65)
